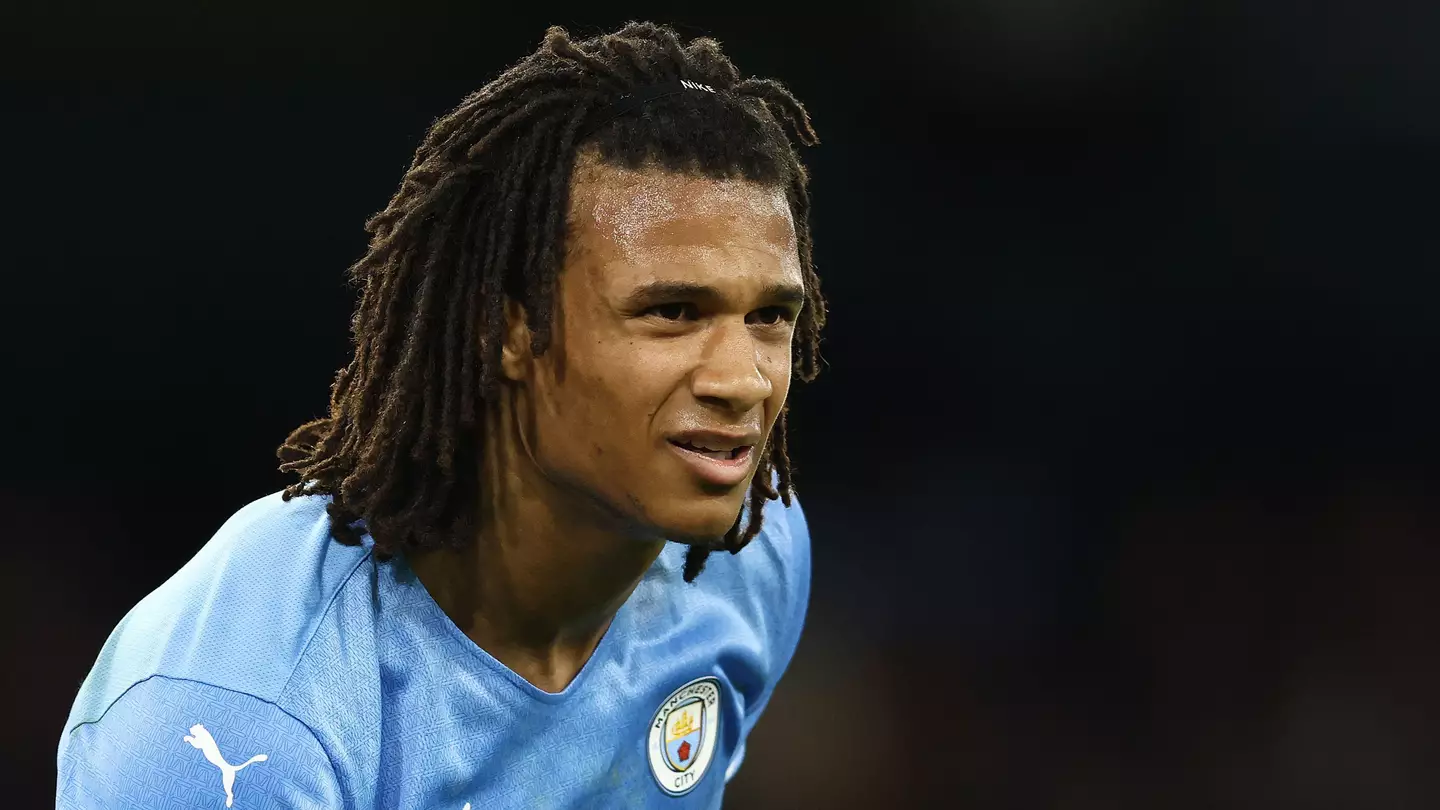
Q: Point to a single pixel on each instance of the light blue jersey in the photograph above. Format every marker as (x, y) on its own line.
(281, 669)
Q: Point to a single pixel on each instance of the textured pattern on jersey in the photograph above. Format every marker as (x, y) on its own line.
(405, 711)
(138, 755)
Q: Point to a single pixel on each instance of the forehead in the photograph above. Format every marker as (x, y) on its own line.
(625, 223)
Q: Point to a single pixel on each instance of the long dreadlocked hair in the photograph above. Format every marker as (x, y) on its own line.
(479, 218)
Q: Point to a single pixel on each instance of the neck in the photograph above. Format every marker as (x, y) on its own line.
(547, 571)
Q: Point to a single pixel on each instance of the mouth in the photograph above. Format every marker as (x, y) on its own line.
(713, 462)
(733, 454)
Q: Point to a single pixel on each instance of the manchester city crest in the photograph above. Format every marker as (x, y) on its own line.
(684, 734)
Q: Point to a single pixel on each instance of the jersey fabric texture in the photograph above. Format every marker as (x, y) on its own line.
(281, 669)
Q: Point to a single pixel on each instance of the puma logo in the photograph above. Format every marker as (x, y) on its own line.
(201, 739)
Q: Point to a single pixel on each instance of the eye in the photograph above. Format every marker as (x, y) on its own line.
(772, 316)
(673, 312)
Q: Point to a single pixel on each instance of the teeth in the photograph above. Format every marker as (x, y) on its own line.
(712, 448)
(721, 453)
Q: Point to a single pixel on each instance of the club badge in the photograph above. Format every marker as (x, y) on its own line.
(684, 734)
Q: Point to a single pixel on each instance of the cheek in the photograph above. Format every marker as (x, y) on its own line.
(778, 365)
(605, 403)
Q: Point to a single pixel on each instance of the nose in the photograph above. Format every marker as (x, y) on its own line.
(733, 369)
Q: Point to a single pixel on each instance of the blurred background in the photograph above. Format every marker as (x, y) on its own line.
(1122, 473)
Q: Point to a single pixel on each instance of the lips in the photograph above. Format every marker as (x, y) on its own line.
(720, 458)
(717, 453)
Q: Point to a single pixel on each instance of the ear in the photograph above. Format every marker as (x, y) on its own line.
(515, 354)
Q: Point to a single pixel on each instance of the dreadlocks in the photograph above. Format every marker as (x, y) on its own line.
(480, 217)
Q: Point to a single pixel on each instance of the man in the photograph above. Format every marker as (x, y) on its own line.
(580, 317)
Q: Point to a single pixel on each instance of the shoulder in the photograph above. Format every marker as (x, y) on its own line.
(238, 615)
(165, 740)
(768, 582)
(778, 560)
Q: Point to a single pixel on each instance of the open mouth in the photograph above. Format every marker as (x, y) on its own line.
(733, 454)
(717, 460)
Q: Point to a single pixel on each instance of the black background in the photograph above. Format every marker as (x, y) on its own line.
(1120, 475)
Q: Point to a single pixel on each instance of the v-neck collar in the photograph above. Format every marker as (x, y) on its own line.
(435, 616)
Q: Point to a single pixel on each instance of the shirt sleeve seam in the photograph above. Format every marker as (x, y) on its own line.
(330, 760)
(320, 622)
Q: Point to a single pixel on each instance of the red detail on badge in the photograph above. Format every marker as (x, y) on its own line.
(684, 750)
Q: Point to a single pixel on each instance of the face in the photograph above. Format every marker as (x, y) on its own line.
(672, 346)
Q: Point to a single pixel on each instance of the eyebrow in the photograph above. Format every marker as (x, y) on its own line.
(775, 293)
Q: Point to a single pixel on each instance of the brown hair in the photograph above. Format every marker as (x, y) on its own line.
(480, 217)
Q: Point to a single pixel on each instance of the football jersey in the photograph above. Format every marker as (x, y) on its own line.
(281, 669)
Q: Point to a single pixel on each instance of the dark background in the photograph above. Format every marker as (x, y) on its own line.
(1121, 475)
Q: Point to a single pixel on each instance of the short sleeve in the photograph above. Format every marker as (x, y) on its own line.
(168, 744)
(794, 546)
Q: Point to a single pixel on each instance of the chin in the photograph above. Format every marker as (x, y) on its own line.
(702, 519)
